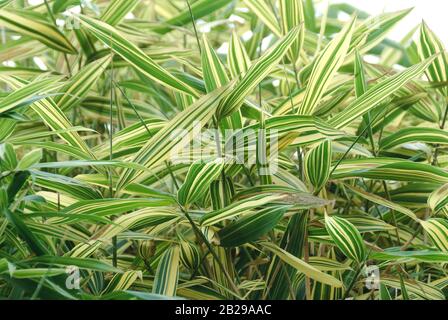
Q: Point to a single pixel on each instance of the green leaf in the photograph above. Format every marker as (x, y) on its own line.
(251, 227)
(133, 54)
(117, 10)
(35, 26)
(256, 73)
(303, 267)
(383, 202)
(292, 15)
(437, 229)
(238, 59)
(377, 94)
(318, 164)
(438, 200)
(199, 9)
(242, 207)
(326, 65)
(80, 84)
(198, 180)
(346, 237)
(406, 135)
(174, 135)
(430, 45)
(167, 274)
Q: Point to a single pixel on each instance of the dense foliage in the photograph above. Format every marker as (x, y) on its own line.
(344, 196)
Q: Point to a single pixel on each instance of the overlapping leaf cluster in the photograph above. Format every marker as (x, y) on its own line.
(93, 93)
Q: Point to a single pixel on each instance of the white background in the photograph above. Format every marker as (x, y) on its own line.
(434, 12)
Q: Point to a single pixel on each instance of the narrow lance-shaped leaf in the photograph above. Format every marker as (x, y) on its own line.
(438, 200)
(133, 54)
(53, 118)
(35, 244)
(26, 23)
(80, 84)
(437, 229)
(28, 93)
(251, 227)
(360, 88)
(292, 15)
(215, 75)
(417, 134)
(239, 208)
(199, 9)
(372, 31)
(117, 10)
(303, 267)
(165, 281)
(256, 73)
(264, 13)
(325, 67)
(346, 237)
(396, 171)
(430, 45)
(123, 281)
(238, 59)
(318, 164)
(360, 77)
(198, 180)
(377, 94)
(174, 135)
(383, 202)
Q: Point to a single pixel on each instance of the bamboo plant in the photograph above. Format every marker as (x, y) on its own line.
(345, 195)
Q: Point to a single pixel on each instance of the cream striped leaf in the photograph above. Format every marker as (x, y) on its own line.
(29, 24)
(239, 208)
(167, 274)
(123, 281)
(190, 255)
(396, 171)
(318, 164)
(292, 15)
(428, 46)
(53, 118)
(198, 180)
(80, 84)
(346, 237)
(117, 10)
(383, 202)
(256, 73)
(438, 200)
(437, 229)
(107, 207)
(140, 219)
(416, 289)
(166, 141)
(214, 72)
(29, 93)
(251, 227)
(325, 67)
(377, 94)
(133, 54)
(263, 11)
(303, 267)
(238, 59)
(417, 134)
